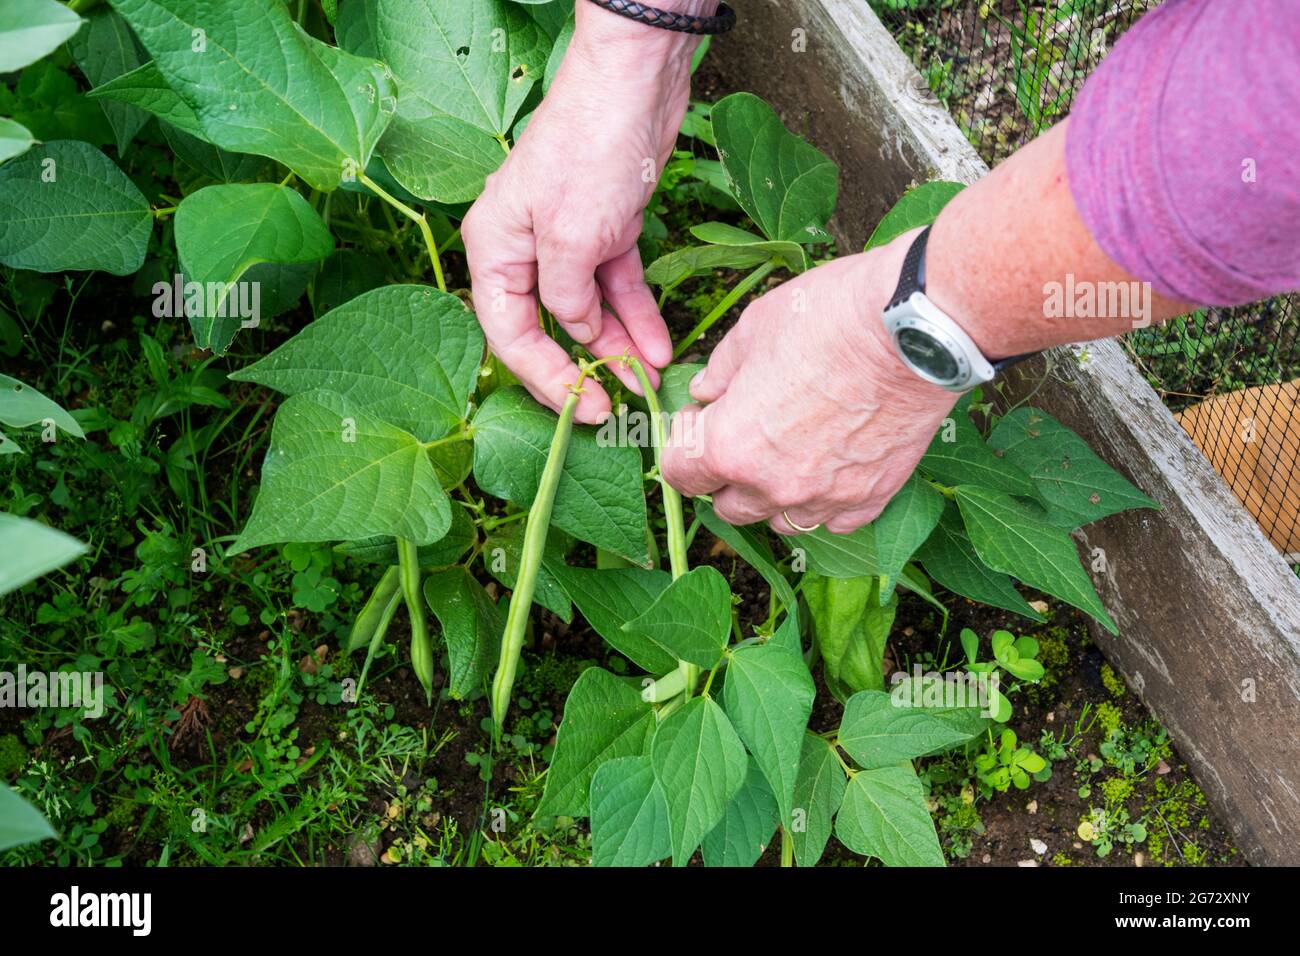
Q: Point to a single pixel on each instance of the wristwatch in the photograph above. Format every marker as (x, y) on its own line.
(926, 338)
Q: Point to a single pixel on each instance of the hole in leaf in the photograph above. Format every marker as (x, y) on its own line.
(518, 74)
(462, 53)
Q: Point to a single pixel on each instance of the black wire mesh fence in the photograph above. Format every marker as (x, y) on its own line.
(1009, 69)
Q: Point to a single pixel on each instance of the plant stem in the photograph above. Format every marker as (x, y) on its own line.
(418, 218)
(82, 6)
(732, 297)
(945, 490)
(665, 688)
(164, 211)
(673, 519)
(535, 528)
(672, 499)
(787, 848)
(489, 524)
(421, 647)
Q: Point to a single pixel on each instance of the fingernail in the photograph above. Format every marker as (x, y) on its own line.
(581, 332)
(697, 381)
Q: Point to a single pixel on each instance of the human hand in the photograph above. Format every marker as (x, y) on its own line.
(808, 410)
(560, 219)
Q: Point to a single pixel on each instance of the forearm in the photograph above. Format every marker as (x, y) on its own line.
(1012, 261)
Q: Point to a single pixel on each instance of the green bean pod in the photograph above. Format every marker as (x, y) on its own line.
(421, 645)
(521, 598)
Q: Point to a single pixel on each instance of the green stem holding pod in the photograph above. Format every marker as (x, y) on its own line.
(673, 514)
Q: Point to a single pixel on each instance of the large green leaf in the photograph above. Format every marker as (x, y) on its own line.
(145, 88)
(475, 60)
(958, 455)
(29, 549)
(66, 206)
(439, 157)
(850, 626)
(950, 558)
(901, 528)
(787, 186)
(334, 472)
(876, 731)
(223, 231)
(604, 718)
(746, 827)
(21, 405)
(839, 555)
(629, 815)
(406, 354)
(20, 822)
(464, 69)
(768, 694)
(15, 139)
(608, 599)
(1015, 538)
(690, 619)
(29, 29)
(600, 498)
(1077, 486)
(918, 207)
(259, 84)
(750, 542)
(884, 815)
(818, 792)
(700, 763)
(105, 49)
(471, 627)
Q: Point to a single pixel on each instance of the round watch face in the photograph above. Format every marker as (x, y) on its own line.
(927, 354)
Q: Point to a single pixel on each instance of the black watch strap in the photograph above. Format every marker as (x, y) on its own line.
(912, 279)
(722, 21)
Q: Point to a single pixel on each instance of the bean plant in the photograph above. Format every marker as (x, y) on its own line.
(332, 150)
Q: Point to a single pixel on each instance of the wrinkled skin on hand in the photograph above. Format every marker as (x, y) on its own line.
(806, 408)
(560, 219)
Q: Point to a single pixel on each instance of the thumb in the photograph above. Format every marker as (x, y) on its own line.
(710, 384)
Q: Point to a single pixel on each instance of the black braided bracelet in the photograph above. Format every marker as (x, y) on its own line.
(720, 22)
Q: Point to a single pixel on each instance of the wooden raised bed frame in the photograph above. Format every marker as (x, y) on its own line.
(1209, 613)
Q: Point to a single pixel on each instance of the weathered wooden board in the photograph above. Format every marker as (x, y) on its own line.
(1209, 613)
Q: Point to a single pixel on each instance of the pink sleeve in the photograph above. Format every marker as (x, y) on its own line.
(1183, 150)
